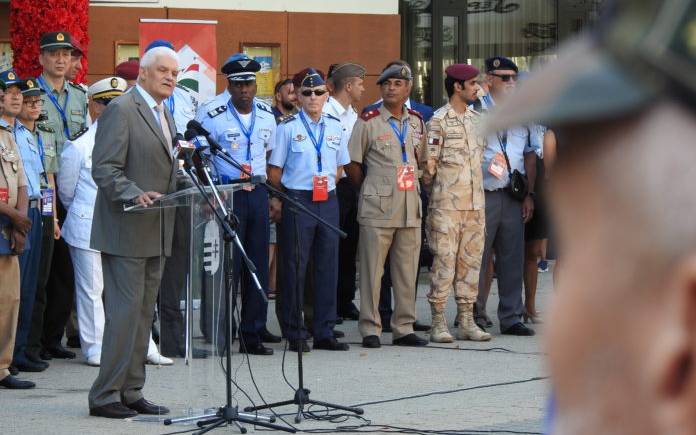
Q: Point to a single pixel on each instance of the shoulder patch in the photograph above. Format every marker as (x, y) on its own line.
(286, 118)
(45, 128)
(218, 110)
(369, 114)
(184, 88)
(78, 134)
(413, 112)
(77, 86)
(264, 107)
(6, 128)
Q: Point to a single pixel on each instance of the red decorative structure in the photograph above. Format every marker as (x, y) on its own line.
(29, 19)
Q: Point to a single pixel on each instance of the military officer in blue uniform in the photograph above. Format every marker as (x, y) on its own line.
(29, 259)
(308, 158)
(246, 128)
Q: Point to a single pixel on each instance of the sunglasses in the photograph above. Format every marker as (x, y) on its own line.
(506, 77)
(317, 92)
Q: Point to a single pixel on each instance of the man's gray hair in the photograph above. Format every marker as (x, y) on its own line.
(149, 57)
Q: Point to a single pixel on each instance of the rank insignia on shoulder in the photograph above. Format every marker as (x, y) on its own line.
(330, 116)
(369, 114)
(264, 107)
(6, 128)
(77, 86)
(286, 118)
(413, 112)
(45, 128)
(78, 134)
(218, 110)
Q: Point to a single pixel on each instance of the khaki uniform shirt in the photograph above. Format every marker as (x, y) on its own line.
(375, 144)
(75, 111)
(453, 174)
(11, 169)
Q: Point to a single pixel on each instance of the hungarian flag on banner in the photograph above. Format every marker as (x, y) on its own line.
(195, 41)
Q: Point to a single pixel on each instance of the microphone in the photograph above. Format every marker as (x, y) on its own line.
(254, 179)
(195, 140)
(181, 149)
(201, 131)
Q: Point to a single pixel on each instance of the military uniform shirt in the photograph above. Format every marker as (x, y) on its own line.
(75, 111)
(31, 159)
(11, 168)
(453, 170)
(48, 142)
(374, 143)
(182, 107)
(296, 155)
(227, 131)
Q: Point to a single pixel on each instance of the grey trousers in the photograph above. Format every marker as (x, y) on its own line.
(505, 235)
(130, 292)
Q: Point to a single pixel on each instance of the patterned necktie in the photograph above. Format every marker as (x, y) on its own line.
(165, 126)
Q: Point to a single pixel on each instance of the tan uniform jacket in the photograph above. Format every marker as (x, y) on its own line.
(452, 175)
(375, 144)
(11, 169)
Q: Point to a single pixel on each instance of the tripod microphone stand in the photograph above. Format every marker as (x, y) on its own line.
(226, 414)
(301, 396)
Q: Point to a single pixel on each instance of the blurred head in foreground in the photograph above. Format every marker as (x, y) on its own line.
(622, 332)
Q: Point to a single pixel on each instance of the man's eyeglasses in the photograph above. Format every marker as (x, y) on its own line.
(506, 77)
(37, 103)
(317, 92)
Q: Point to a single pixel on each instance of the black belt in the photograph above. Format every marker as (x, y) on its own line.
(502, 189)
(34, 203)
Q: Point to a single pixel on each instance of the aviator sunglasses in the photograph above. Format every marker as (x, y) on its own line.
(506, 77)
(317, 92)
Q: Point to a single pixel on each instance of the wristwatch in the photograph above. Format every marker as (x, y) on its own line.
(532, 194)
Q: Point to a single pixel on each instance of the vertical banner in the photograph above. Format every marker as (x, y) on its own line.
(195, 42)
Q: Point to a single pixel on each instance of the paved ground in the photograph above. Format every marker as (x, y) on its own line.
(469, 387)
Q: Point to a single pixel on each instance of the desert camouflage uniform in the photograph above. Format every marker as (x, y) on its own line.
(455, 226)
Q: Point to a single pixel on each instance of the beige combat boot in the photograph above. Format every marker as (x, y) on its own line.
(438, 331)
(468, 329)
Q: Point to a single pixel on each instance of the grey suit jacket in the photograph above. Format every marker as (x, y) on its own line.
(130, 157)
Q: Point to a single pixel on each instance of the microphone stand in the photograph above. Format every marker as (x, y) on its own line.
(226, 414)
(301, 396)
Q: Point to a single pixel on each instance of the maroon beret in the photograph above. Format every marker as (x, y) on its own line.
(308, 77)
(78, 49)
(462, 71)
(128, 70)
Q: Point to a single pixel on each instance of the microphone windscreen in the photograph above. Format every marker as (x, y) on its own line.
(190, 134)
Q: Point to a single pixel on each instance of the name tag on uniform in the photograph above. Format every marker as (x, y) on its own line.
(76, 111)
(320, 188)
(47, 202)
(498, 165)
(4, 195)
(405, 177)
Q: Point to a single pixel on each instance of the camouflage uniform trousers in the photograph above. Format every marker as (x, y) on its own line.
(456, 239)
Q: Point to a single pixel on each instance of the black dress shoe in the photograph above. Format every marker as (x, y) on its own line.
(410, 340)
(339, 320)
(292, 345)
(255, 349)
(30, 366)
(142, 406)
(73, 342)
(349, 313)
(266, 336)
(14, 371)
(371, 342)
(112, 410)
(338, 334)
(12, 383)
(330, 344)
(37, 360)
(519, 329)
(60, 352)
(418, 326)
(181, 353)
(45, 355)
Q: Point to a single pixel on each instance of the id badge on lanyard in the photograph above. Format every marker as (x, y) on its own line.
(405, 174)
(320, 188)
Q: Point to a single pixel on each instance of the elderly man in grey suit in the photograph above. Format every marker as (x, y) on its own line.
(132, 163)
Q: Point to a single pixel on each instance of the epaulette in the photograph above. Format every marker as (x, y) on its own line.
(183, 87)
(264, 107)
(369, 114)
(286, 118)
(78, 134)
(440, 113)
(218, 110)
(77, 86)
(43, 127)
(413, 112)
(330, 116)
(208, 100)
(6, 128)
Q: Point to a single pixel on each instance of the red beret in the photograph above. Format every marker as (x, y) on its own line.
(78, 50)
(308, 77)
(128, 70)
(462, 71)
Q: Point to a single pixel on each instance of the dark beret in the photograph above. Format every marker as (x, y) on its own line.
(462, 71)
(128, 70)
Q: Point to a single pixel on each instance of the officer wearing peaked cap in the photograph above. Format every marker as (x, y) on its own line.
(307, 161)
(622, 105)
(246, 128)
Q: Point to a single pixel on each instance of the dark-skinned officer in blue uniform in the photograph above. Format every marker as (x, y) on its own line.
(308, 158)
(246, 129)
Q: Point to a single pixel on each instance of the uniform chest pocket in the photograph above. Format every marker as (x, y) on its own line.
(77, 120)
(334, 145)
(296, 147)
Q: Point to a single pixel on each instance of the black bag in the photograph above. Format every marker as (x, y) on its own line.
(519, 184)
